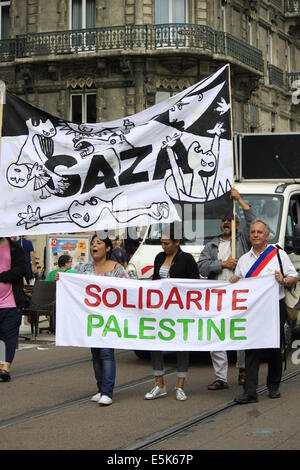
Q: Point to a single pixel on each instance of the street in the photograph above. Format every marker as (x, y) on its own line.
(47, 406)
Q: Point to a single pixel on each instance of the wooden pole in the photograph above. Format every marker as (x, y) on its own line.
(233, 223)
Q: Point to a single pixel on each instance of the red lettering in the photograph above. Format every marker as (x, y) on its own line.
(125, 304)
(140, 298)
(220, 293)
(88, 291)
(106, 293)
(207, 300)
(177, 301)
(195, 300)
(149, 298)
(235, 300)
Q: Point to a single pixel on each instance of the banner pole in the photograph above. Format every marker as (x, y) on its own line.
(2, 95)
(233, 223)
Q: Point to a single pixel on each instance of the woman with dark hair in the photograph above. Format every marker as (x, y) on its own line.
(172, 262)
(103, 358)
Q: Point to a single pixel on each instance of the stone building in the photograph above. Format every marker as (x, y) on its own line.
(90, 60)
(98, 60)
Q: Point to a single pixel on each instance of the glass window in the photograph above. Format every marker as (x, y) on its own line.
(83, 107)
(4, 20)
(267, 207)
(83, 14)
(170, 11)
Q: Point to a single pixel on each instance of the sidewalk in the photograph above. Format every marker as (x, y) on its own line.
(29, 341)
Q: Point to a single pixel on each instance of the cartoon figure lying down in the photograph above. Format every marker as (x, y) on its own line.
(90, 211)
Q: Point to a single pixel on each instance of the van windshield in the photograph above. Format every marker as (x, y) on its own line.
(267, 207)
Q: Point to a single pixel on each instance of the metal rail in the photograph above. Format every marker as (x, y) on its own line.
(168, 433)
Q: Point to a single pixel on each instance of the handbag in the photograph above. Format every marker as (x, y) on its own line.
(292, 295)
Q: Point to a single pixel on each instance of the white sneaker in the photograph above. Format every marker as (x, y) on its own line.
(156, 392)
(96, 397)
(180, 395)
(105, 400)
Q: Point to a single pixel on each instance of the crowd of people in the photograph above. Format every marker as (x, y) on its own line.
(109, 258)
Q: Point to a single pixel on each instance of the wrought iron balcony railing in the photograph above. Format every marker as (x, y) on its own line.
(292, 6)
(132, 38)
(277, 3)
(276, 76)
(293, 81)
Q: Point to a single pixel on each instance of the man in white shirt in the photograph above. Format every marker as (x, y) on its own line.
(262, 260)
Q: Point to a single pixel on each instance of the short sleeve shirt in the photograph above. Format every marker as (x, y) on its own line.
(247, 260)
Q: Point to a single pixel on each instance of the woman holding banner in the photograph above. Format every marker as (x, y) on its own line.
(172, 262)
(103, 358)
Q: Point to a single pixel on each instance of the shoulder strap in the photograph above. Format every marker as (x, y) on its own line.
(279, 259)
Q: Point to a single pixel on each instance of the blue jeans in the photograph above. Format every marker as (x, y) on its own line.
(104, 369)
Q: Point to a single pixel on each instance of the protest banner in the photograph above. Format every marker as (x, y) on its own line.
(168, 314)
(59, 176)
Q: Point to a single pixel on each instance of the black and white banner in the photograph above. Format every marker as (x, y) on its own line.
(58, 176)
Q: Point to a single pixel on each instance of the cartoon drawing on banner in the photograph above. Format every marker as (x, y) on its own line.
(90, 211)
(78, 174)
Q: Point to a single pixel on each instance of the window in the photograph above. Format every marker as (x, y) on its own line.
(171, 11)
(83, 14)
(273, 122)
(4, 20)
(253, 118)
(83, 107)
(292, 125)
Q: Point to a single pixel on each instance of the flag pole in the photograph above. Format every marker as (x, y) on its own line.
(233, 223)
(2, 94)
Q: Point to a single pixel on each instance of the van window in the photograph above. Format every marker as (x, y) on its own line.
(267, 208)
(196, 232)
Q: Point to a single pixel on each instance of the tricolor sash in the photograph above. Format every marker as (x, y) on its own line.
(262, 261)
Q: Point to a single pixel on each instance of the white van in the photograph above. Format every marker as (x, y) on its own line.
(284, 219)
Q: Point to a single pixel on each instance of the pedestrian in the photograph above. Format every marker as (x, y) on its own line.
(32, 270)
(103, 358)
(172, 262)
(64, 265)
(118, 253)
(216, 262)
(267, 260)
(12, 299)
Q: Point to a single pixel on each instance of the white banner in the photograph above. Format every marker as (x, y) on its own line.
(167, 315)
(59, 176)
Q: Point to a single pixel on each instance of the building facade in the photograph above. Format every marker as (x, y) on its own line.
(98, 60)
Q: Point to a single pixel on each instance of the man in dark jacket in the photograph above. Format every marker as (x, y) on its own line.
(216, 262)
(13, 268)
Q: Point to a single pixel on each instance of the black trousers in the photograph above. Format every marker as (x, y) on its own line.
(10, 321)
(252, 361)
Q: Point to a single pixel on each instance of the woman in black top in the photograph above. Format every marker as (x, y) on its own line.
(172, 262)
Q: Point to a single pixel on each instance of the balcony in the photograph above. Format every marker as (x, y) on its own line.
(293, 80)
(187, 38)
(292, 7)
(276, 76)
(276, 3)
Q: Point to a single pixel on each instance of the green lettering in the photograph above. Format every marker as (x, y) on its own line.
(126, 334)
(234, 328)
(143, 327)
(185, 322)
(112, 329)
(200, 329)
(166, 328)
(91, 325)
(220, 333)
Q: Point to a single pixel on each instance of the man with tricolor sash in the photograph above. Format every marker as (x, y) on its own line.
(263, 260)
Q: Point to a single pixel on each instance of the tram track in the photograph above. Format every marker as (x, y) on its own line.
(31, 415)
(54, 367)
(175, 430)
